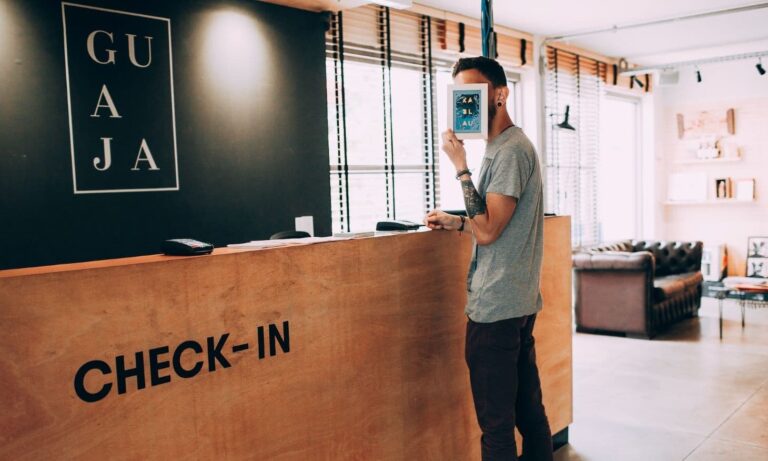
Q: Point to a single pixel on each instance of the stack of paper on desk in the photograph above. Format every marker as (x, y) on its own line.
(256, 244)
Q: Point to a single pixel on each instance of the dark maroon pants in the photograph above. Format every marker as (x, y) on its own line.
(506, 389)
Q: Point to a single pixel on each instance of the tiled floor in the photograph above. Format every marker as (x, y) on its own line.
(684, 395)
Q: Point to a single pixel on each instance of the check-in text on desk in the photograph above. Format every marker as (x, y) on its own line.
(186, 361)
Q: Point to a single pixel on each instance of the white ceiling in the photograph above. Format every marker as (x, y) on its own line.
(737, 32)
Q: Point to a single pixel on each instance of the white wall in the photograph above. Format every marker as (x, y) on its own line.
(726, 85)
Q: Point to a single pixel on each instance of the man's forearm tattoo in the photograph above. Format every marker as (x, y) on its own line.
(474, 203)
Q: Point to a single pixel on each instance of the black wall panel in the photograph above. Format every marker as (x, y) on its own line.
(251, 123)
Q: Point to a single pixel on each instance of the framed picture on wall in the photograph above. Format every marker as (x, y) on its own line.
(757, 267)
(468, 110)
(757, 247)
(703, 123)
(757, 257)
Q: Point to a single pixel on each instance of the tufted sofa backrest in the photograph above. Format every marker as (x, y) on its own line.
(622, 245)
(672, 257)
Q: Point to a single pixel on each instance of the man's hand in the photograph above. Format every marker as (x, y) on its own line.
(437, 219)
(454, 148)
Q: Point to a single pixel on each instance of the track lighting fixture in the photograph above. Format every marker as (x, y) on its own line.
(667, 71)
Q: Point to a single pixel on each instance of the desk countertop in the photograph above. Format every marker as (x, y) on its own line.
(160, 258)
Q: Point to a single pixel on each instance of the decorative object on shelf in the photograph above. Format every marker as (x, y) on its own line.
(687, 187)
(707, 134)
(707, 147)
(714, 262)
(757, 257)
(744, 189)
(706, 123)
(723, 188)
(728, 149)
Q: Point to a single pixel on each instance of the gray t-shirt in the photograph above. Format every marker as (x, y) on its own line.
(504, 277)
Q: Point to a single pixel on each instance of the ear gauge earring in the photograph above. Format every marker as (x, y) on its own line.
(498, 103)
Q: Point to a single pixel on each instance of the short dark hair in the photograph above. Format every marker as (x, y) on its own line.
(490, 69)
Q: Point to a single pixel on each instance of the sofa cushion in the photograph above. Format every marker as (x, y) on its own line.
(689, 279)
(667, 288)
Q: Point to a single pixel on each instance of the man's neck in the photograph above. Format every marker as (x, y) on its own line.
(500, 122)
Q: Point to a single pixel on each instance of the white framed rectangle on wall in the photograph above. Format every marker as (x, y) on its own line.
(687, 187)
(118, 67)
(744, 189)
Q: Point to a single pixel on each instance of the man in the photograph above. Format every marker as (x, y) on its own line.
(506, 218)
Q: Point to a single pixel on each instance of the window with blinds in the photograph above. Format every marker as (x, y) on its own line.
(382, 144)
(575, 83)
(387, 71)
(572, 157)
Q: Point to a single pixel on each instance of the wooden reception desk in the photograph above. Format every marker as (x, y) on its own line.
(350, 350)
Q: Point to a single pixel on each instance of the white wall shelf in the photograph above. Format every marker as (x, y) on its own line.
(726, 201)
(712, 161)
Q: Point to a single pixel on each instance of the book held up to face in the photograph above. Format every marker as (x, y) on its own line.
(468, 110)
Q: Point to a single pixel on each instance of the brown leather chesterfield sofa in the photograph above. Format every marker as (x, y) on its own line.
(636, 287)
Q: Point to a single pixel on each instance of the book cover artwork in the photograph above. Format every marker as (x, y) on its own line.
(469, 110)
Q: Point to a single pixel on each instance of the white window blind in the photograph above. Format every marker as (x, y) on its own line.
(381, 97)
(574, 82)
(459, 39)
(383, 68)
(578, 82)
